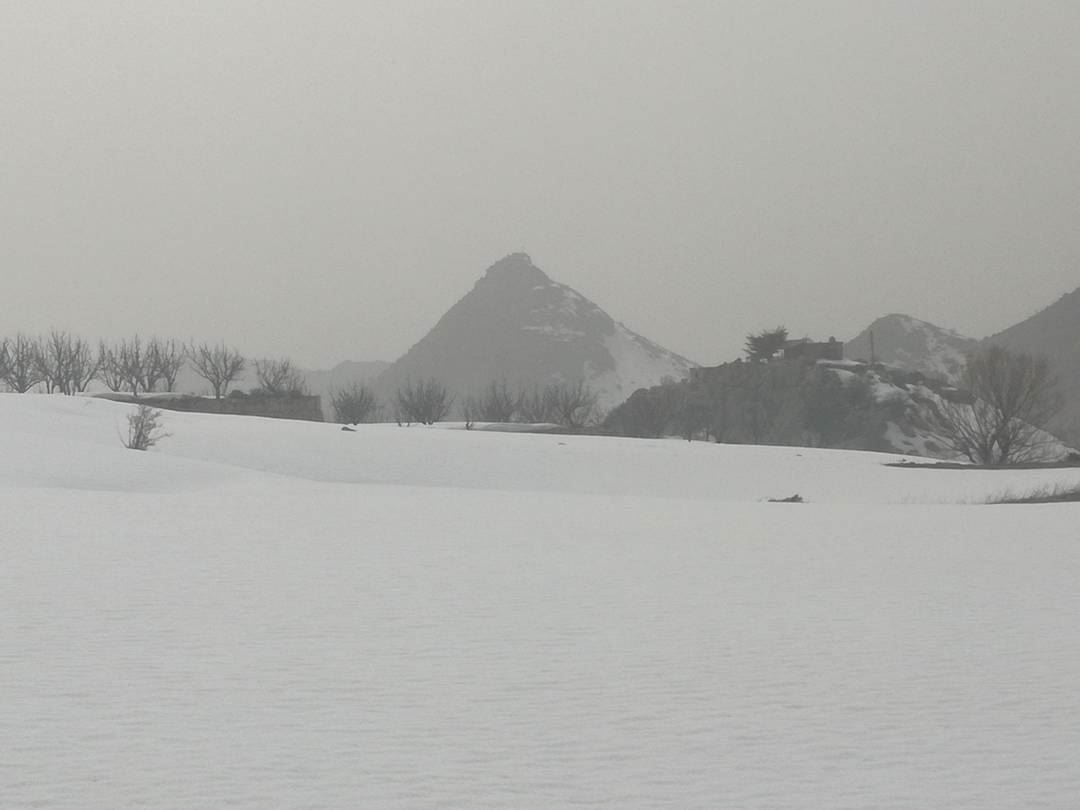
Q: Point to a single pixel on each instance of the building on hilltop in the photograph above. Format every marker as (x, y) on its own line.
(812, 351)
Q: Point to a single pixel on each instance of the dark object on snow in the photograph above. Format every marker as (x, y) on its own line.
(348, 429)
(796, 498)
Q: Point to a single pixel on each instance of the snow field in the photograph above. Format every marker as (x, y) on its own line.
(263, 613)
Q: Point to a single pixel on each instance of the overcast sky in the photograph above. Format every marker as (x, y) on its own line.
(324, 179)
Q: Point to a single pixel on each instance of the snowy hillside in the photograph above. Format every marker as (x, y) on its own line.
(906, 409)
(908, 343)
(518, 325)
(1054, 332)
(260, 613)
(636, 363)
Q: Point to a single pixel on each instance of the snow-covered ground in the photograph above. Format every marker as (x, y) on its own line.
(273, 614)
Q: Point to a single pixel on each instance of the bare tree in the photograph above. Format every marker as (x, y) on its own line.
(218, 365)
(82, 366)
(398, 414)
(497, 403)
(22, 372)
(150, 371)
(280, 377)
(167, 358)
(469, 408)
(110, 370)
(426, 402)
(575, 403)
(124, 366)
(65, 363)
(144, 370)
(50, 354)
(1010, 398)
(538, 405)
(570, 404)
(144, 428)
(137, 366)
(53, 361)
(354, 404)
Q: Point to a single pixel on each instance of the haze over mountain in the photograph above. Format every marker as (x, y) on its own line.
(518, 325)
(324, 381)
(900, 340)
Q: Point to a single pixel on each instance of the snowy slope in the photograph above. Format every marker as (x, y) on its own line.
(269, 614)
(910, 408)
(636, 363)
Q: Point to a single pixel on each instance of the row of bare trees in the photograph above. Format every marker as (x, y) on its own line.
(424, 402)
(20, 363)
(140, 366)
(66, 364)
(60, 363)
(572, 405)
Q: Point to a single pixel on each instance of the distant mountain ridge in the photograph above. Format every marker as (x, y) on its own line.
(519, 326)
(323, 381)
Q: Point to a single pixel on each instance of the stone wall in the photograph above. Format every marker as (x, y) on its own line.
(308, 408)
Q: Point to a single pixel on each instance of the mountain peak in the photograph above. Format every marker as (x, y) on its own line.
(516, 268)
(901, 340)
(519, 326)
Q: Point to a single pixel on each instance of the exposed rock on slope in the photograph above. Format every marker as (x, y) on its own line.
(518, 325)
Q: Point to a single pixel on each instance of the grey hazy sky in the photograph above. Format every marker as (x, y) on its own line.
(324, 179)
